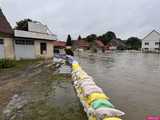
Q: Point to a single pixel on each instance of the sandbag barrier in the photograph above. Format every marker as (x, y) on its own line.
(96, 104)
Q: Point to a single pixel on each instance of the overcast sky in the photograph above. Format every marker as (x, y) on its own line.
(125, 17)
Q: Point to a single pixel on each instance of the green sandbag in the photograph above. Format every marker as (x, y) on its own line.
(101, 103)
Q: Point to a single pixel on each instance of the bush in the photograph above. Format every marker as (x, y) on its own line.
(6, 63)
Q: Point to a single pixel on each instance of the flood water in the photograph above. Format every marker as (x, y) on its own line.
(132, 80)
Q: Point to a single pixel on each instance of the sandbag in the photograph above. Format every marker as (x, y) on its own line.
(80, 82)
(101, 113)
(75, 66)
(101, 103)
(85, 84)
(91, 89)
(87, 79)
(92, 118)
(95, 96)
(112, 118)
(70, 59)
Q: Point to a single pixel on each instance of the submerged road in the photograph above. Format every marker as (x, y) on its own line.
(132, 80)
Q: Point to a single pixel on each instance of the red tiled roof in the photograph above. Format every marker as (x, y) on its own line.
(82, 43)
(5, 27)
(99, 44)
(59, 44)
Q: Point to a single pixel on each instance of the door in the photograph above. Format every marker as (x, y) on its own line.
(1, 48)
(24, 48)
(43, 48)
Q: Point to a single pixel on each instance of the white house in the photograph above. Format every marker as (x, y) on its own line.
(37, 42)
(151, 42)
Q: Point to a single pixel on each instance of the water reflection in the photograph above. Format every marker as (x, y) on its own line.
(131, 79)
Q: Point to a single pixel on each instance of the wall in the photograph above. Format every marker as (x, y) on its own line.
(48, 54)
(9, 48)
(37, 27)
(27, 34)
(151, 38)
(1, 50)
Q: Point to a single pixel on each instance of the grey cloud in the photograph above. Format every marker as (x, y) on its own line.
(125, 17)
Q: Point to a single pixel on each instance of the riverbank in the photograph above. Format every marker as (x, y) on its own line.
(36, 91)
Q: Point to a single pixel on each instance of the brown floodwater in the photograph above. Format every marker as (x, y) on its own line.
(132, 80)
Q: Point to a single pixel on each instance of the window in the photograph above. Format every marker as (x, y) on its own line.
(157, 49)
(157, 43)
(22, 41)
(1, 41)
(43, 47)
(146, 43)
(29, 42)
(146, 48)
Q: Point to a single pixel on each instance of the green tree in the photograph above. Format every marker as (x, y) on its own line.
(107, 37)
(23, 24)
(79, 37)
(91, 38)
(69, 41)
(133, 43)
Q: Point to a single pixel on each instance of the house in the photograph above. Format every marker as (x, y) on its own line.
(115, 44)
(100, 46)
(81, 44)
(6, 38)
(59, 46)
(151, 42)
(37, 42)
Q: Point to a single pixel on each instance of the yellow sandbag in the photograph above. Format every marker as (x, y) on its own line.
(112, 118)
(95, 96)
(75, 66)
(92, 118)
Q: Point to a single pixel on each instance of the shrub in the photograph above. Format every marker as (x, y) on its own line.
(6, 63)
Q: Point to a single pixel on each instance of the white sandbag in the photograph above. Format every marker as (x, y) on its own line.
(86, 81)
(110, 112)
(85, 84)
(91, 89)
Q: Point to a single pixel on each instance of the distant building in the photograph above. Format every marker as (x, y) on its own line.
(100, 46)
(151, 42)
(81, 44)
(116, 44)
(59, 46)
(6, 38)
(37, 42)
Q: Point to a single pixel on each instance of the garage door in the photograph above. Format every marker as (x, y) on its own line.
(1, 49)
(24, 48)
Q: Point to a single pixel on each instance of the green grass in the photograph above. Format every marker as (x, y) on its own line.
(6, 63)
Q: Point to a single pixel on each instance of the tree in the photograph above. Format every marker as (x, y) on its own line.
(69, 41)
(23, 24)
(91, 38)
(107, 37)
(133, 43)
(79, 37)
